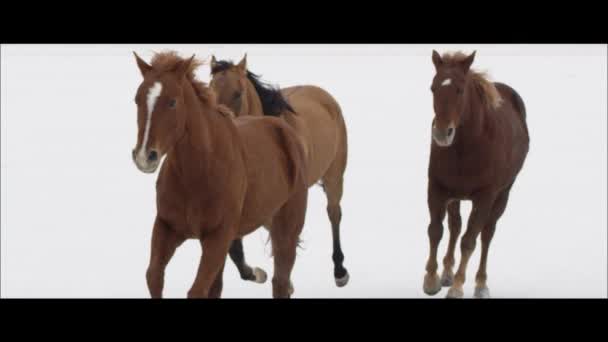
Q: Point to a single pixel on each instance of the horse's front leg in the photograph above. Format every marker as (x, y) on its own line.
(437, 202)
(215, 249)
(482, 206)
(164, 243)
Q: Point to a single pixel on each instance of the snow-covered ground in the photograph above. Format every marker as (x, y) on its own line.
(77, 215)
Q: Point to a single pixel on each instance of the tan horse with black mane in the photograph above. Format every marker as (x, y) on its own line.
(479, 144)
(316, 117)
(222, 178)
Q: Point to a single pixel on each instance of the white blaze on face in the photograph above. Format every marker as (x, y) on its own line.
(153, 94)
(446, 82)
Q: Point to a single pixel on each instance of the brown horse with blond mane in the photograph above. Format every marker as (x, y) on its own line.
(316, 117)
(479, 144)
(222, 177)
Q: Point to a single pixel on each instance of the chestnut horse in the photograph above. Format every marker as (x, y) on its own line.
(316, 117)
(479, 144)
(222, 178)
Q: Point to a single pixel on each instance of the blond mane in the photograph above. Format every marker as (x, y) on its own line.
(169, 60)
(480, 79)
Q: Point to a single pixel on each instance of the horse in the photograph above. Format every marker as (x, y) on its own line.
(221, 179)
(316, 117)
(479, 143)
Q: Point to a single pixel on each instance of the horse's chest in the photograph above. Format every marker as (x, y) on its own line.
(460, 173)
(187, 211)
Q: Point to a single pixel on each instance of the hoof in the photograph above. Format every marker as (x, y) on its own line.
(341, 282)
(260, 275)
(455, 293)
(290, 290)
(447, 278)
(432, 285)
(482, 292)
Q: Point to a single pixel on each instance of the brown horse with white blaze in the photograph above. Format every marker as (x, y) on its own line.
(317, 119)
(479, 143)
(222, 177)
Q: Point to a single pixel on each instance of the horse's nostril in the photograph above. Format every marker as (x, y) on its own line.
(450, 131)
(152, 156)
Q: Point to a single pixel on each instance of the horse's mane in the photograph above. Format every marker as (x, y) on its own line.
(273, 102)
(480, 80)
(169, 60)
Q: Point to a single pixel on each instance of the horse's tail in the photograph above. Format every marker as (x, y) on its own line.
(294, 150)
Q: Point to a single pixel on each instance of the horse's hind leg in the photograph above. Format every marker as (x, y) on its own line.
(332, 185)
(237, 255)
(284, 234)
(455, 225)
(481, 288)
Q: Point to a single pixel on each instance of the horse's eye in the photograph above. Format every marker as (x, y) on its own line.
(172, 103)
(458, 91)
(237, 94)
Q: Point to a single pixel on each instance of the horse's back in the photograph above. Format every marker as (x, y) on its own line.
(508, 93)
(520, 138)
(303, 95)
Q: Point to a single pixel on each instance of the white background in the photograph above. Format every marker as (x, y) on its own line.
(77, 214)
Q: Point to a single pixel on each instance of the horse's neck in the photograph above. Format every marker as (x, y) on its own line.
(205, 139)
(473, 116)
(253, 102)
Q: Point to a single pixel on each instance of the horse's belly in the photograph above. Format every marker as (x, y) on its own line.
(260, 206)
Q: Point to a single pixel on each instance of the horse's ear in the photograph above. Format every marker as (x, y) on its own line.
(213, 62)
(437, 59)
(182, 68)
(143, 66)
(243, 63)
(467, 62)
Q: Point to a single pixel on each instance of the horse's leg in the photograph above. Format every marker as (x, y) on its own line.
(164, 244)
(333, 191)
(437, 202)
(216, 288)
(332, 182)
(454, 224)
(215, 249)
(481, 288)
(482, 207)
(237, 255)
(284, 234)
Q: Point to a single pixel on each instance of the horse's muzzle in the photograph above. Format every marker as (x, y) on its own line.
(444, 136)
(146, 162)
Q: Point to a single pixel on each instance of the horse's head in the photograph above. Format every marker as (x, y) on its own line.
(229, 82)
(161, 113)
(448, 89)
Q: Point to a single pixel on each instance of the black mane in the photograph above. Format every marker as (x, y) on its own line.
(273, 102)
